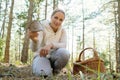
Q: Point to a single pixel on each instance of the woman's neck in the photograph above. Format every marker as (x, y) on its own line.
(54, 29)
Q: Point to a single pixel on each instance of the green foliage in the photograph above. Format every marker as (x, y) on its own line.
(104, 57)
(21, 22)
(22, 15)
(18, 62)
(69, 74)
(1, 47)
(38, 1)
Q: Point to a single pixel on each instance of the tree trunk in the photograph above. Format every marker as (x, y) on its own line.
(46, 9)
(3, 24)
(83, 34)
(55, 4)
(24, 56)
(118, 36)
(6, 56)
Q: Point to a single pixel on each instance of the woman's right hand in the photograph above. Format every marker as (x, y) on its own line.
(33, 36)
(44, 51)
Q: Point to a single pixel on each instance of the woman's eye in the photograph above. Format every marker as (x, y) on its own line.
(56, 17)
(61, 19)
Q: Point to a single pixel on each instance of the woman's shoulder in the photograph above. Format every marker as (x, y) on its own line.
(63, 30)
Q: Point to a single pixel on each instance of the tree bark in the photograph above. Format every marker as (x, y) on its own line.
(118, 35)
(24, 56)
(6, 56)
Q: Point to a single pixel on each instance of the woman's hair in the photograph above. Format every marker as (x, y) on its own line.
(58, 10)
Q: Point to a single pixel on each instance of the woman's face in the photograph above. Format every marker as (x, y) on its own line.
(56, 20)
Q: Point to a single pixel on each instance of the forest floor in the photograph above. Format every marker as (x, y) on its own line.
(24, 72)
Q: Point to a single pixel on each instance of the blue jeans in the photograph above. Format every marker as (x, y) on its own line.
(47, 66)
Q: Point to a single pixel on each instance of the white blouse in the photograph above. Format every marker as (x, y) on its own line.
(47, 36)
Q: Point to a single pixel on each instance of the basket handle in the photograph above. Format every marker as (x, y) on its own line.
(95, 53)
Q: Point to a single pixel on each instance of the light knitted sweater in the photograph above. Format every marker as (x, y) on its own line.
(47, 36)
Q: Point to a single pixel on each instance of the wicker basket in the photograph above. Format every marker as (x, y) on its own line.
(89, 66)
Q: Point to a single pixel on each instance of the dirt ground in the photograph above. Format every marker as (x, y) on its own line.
(24, 72)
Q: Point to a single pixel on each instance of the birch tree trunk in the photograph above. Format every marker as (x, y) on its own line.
(6, 56)
(24, 56)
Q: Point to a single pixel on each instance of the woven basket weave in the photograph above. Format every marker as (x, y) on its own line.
(89, 66)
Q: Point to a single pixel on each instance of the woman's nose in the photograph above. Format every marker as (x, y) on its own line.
(57, 22)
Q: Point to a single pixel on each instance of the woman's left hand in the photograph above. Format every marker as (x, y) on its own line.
(44, 51)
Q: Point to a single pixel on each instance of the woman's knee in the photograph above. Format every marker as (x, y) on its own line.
(63, 53)
(41, 66)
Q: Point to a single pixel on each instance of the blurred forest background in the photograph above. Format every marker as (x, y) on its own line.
(89, 23)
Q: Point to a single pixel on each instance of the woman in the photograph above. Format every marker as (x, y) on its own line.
(49, 47)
